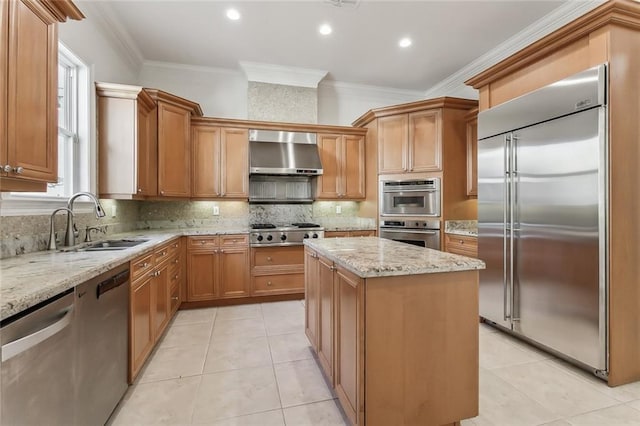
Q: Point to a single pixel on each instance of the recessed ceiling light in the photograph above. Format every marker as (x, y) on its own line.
(325, 29)
(405, 42)
(233, 14)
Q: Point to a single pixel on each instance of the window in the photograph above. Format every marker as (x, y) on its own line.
(74, 148)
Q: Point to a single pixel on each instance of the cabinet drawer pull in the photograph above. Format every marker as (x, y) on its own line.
(269, 283)
(176, 276)
(18, 170)
(333, 268)
(176, 261)
(6, 168)
(143, 265)
(174, 298)
(203, 242)
(163, 253)
(175, 245)
(269, 259)
(221, 251)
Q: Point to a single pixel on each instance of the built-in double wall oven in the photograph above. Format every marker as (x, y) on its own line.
(410, 211)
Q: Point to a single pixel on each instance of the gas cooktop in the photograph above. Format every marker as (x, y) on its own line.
(268, 234)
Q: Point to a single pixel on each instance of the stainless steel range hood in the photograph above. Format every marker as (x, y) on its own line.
(274, 152)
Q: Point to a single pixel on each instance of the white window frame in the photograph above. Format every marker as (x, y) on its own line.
(83, 176)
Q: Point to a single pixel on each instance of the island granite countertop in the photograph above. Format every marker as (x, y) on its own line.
(29, 279)
(370, 257)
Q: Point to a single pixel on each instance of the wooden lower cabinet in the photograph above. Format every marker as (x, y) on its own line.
(154, 298)
(311, 289)
(140, 324)
(217, 267)
(326, 289)
(464, 245)
(277, 270)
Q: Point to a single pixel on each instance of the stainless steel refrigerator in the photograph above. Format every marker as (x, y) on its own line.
(542, 217)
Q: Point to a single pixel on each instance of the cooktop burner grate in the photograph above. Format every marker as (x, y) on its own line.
(263, 226)
(305, 225)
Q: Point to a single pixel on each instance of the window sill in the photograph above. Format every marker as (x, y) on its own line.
(33, 205)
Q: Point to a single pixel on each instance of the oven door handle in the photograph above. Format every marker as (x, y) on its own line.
(399, 191)
(409, 231)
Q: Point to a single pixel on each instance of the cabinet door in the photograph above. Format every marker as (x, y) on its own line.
(202, 275)
(392, 144)
(205, 161)
(140, 324)
(425, 141)
(348, 333)
(32, 128)
(4, 51)
(311, 301)
(325, 323)
(472, 157)
(353, 173)
(234, 170)
(234, 268)
(329, 147)
(162, 303)
(174, 151)
(147, 151)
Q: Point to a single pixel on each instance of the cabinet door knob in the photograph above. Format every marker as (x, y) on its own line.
(18, 170)
(269, 259)
(176, 276)
(174, 298)
(461, 242)
(203, 242)
(143, 265)
(161, 192)
(139, 190)
(175, 245)
(269, 283)
(221, 251)
(176, 261)
(6, 168)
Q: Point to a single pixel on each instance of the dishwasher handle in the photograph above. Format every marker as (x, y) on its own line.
(111, 283)
(25, 343)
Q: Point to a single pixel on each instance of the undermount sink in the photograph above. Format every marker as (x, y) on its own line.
(108, 245)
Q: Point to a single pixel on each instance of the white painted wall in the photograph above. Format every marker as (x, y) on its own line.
(92, 42)
(220, 92)
(223, 92)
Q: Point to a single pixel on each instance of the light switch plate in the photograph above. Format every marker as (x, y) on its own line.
(216, 210)
(113, 210)
(338, 209)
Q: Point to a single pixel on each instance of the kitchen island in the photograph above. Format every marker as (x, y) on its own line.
(395, 329)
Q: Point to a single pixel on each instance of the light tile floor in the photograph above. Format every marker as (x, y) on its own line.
(252, 365)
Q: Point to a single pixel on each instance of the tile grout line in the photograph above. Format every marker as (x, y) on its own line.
(273, 369)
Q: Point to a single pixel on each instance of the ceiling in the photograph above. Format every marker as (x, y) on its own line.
(363, 48)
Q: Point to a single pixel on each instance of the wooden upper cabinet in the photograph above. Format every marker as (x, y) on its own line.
(174, 151)
(343, 164)
(425, 141)
(28, 109)
(234, 160)
(127, 142)
(393, 134)
(220, 162)
(472, 153)
(410, 143)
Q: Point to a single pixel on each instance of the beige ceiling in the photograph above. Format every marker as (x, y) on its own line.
(363, 48)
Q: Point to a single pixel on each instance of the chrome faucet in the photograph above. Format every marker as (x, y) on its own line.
(70, 236)
(52, 234)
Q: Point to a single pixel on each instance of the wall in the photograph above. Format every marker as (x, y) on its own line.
(224, 93)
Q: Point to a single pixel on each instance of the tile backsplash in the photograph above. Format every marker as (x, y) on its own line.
(26, 234)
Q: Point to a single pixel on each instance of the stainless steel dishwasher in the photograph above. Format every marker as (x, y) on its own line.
(102, 306)
(38, 362)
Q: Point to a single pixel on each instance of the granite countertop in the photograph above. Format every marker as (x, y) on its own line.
(32, 278)
(461, 227)
(370, 257)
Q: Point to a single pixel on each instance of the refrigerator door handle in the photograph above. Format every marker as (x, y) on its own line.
(505, 228)
(512, 224)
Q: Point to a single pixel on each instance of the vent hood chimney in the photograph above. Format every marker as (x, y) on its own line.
(273, 152)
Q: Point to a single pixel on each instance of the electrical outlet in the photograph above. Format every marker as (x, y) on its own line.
(216, 210)
(338, 209)
(113, 211)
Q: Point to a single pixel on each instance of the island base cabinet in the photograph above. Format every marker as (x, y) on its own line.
(349, 308)
(400, 350)
(421, 345)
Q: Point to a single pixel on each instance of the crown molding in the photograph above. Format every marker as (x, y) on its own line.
(192, 68)
(287, 76)
(372, 93)
(454, 85)
(112, 28)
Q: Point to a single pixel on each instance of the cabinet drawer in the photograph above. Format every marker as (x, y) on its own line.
(166, 252)
(141, 265)
(278, 256)
(461, 244)
(284, 283)
(334, 234)
(233, 240)
(205, 241)
(363, 233)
